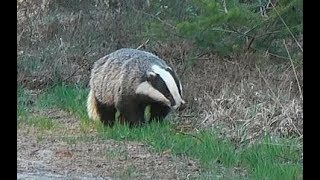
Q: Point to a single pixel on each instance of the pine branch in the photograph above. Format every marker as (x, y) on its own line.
(286, 26)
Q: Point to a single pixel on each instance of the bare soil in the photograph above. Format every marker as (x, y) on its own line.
(67, 152)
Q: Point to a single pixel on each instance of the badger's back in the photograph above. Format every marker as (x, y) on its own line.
(120, 72)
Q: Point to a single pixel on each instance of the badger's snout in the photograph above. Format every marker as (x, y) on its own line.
(180, 106)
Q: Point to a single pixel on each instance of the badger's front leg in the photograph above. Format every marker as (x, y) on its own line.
(158, 111)
(132, 113)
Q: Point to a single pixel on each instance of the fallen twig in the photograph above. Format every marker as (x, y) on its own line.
(143, 44)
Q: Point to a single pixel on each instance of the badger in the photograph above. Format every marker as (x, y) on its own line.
(129, 80)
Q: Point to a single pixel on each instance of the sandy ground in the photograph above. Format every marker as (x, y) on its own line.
(67, 153)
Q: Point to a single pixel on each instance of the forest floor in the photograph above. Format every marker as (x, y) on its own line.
(66, 152)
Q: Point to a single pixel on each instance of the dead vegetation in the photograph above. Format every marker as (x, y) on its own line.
(243, 96)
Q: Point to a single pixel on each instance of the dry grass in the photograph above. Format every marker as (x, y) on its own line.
(244, 96)
(58, 41)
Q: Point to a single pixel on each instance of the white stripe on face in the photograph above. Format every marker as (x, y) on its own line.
(146, 89)
(180, 88)
(172, 86)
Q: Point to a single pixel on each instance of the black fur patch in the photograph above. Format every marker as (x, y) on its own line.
(173, 74)
(158, 83)
(158, 111)
(106, 113)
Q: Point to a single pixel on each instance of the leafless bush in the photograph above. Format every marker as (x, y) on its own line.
(63, 38)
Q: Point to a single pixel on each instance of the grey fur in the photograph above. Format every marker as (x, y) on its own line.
(114, 79)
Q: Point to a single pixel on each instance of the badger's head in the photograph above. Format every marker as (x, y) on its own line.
(162, 85)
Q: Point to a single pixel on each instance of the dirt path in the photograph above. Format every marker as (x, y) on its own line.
(67, 153)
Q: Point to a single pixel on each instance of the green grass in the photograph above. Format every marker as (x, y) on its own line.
(22, 99)
(69, 98)
(203, 146)
(32, 63)
(270, 158)
(24, 116)
(42, 123)
(273, 159)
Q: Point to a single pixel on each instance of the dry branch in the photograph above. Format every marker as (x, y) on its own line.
(293, 68)
(143, 44)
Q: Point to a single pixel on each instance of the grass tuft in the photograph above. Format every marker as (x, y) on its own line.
(22, 100)
(66, 97)
(273, 159)
(40, 122)
(268, 158)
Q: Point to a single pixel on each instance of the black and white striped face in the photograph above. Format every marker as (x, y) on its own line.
(162, 85)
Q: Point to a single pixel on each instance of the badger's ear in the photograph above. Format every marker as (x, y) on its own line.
(151, 76)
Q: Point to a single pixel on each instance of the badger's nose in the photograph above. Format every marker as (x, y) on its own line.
(182, 106)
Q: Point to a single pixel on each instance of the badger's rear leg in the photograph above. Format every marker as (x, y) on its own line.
(100, 111)
(106, 113)
(92, 106)
(158, 111)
